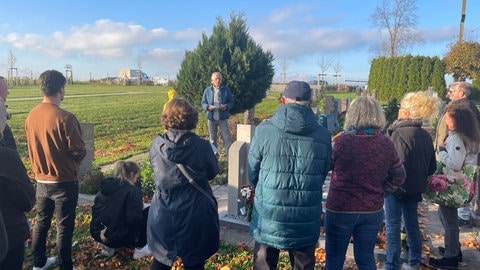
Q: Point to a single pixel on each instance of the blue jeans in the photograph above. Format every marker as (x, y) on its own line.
(394, 209)
(213, 126)
(61, 199)
(340, 227)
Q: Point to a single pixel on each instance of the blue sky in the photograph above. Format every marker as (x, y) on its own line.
(99, 37)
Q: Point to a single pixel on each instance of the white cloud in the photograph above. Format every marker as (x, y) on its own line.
(295, 12)
(102, 39)
(189, 34)
(300, 33)
(439, 34)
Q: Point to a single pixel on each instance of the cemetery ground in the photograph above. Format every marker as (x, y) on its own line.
(126, 119)
(236, 254)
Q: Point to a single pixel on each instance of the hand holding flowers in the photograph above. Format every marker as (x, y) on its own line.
(451, 187)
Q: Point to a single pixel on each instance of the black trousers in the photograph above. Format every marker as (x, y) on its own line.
(266, 257)
(14, 258)
(142, 238)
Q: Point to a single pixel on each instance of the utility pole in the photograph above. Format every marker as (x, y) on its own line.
(462, 21)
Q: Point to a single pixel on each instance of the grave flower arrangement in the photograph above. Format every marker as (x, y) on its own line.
(248, 193)
(453, 188)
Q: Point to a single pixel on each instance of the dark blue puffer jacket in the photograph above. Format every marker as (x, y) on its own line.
(288, 161)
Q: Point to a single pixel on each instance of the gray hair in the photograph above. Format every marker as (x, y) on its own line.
(364, 112)
(305, 103)
(465, 87)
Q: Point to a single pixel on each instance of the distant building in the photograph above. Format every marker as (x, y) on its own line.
(160, 81)
(133, 75)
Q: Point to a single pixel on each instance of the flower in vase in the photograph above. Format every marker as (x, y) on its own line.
(248, 193)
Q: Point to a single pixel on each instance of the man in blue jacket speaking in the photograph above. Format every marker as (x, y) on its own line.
(288, 160)
(217, 100)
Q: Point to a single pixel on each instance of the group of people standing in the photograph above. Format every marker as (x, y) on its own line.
(55, 149)
(376, 177)
(458, 145)
(288, 162)
(182, 219)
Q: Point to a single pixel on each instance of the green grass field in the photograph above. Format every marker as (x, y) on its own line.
(125, 118)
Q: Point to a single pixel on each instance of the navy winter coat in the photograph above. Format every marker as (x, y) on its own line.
(182, 221)
(288, 161)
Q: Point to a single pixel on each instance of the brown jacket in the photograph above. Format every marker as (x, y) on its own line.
(55, 144)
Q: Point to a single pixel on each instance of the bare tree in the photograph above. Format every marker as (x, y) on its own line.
(12, 61)
(324, 65)
(399, 19)
(284, 66)
(337, 68)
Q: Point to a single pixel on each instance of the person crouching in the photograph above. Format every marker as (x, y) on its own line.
(118, 216)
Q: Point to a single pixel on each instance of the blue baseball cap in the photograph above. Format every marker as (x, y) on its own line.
(298, 90)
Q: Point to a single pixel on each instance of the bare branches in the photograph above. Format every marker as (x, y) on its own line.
(284, 66)
(324, 66)
(399, 19)
(12, 59)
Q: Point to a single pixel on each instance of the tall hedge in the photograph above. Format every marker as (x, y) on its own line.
(393, 77)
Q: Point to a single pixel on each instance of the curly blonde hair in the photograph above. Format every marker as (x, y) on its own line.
(420, 105)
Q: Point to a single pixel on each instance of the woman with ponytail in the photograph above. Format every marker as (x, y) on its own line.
(118, 215)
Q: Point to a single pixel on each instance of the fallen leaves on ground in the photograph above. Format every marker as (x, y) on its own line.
(86, 253)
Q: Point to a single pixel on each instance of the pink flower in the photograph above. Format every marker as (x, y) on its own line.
(438, 182)
(466, 183)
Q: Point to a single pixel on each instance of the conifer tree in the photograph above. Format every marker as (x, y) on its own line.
(438, 78)
(246, 68)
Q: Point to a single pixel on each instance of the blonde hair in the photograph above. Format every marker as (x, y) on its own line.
(364, 112)
(124, 169)
(420, 105)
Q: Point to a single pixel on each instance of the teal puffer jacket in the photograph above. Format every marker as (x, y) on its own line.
(288, 161)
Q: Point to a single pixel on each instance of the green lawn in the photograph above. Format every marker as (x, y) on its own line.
(125, 118)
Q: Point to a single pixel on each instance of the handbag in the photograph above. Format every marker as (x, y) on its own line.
(184, 171)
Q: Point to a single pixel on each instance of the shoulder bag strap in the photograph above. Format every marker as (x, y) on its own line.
(194, 184)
